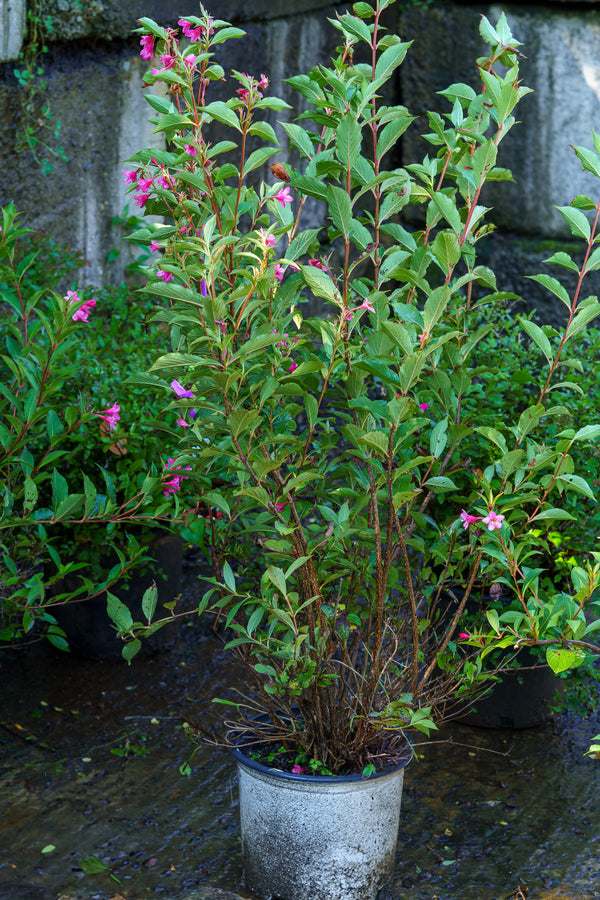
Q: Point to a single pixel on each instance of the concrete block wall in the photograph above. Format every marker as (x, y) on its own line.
(94, 76)
(12, 28)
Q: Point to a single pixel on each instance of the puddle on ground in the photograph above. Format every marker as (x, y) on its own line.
(475, 825)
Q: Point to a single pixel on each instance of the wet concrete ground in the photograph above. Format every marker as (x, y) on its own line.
(509, 815)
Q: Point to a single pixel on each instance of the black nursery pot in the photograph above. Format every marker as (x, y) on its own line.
(525, 695)
(91, 633)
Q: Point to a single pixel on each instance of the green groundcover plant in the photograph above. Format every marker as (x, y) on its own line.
(345, 436)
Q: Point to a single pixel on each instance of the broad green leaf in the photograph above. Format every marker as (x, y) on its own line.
(299, 139)
(221, 113)
(538, 337)
(553, 285)
(560, 660)
(577, 221)
(439, 438)
(347, 141)
(340, 209)
(149, 601)
(390, 59)
(448, 210)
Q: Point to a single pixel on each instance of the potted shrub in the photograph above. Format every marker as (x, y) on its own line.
(328, 369)
(81, 492)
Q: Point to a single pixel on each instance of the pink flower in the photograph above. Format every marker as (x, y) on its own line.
(267, 239)
(292, 368)
(423, 407)
(181, 391)
(182, 423)
(493, 520)
(283, 195)
(163, 182)
(464, 636)
(82, 314)
(297, 770)
(111, 416)
(366, 305)
(264, 82)
(147, 43)
(468, 519)
(191, 150)
(155, 246)
(167, 61)
(130, 176)
(279, 271)
(190, 59)
(166, 276)
(174, 484)
(317, 264)
(141, 199)
(348, 315)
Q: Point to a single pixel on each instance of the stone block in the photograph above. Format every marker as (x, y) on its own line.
(95, 92)
(12, 28)
(109, 19)
(563, 68)
(98, 99)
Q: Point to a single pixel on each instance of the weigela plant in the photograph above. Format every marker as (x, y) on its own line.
(73, 474)
(329, 368)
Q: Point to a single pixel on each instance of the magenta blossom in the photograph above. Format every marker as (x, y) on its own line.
(145, 184)
(283, 196)
(166, 276)
(317, 264)
(155, 246)
(468, 520)
(493, 520)
(297, 770)
(82, 314)
(464, 636)
(111, 416)
(181, 392)
(191, 150)
(292, 368)
(279, 271)
(423, 407)
(204, 287)
(147, 44)
(174, 484)
(182, 423)
(129, 176)
(141, 199)
(366, 305)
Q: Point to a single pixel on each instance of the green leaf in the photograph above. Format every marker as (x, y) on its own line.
(298, 138)
(554, 513)
(560, 660)
(440, 483)
(588, 432)
(538, 337)
(446, 249)
(149, 601)
(553, 285)
(91, 865)
(221, 113)
(577, 221)
(228, 577)
(439, 438)
(588, 159)
(390, 59)
(340, 209)
(320, 283)
(578, 484)
(119, 613)
(585, 315)
(448, 210)
(258, 158)
(347, 141)
(277, 578)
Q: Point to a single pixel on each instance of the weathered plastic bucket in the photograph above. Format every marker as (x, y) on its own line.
(307, 837)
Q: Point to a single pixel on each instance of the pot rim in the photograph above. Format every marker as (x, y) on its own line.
(237, 751)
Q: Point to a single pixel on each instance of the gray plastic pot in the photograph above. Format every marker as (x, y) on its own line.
(308, 837)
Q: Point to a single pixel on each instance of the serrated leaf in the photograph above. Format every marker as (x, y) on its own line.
(149, 601)
(448, 210)
(221, 113)
(340, 209)
(560, 660)
(347, 141)
(554, 286)
(577, 221)
(538, 337)
(277, 578)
